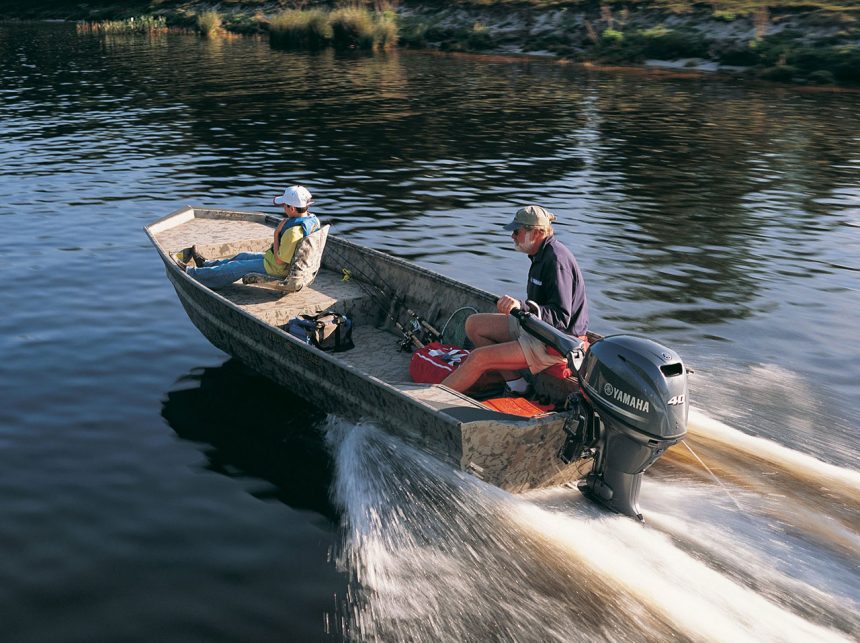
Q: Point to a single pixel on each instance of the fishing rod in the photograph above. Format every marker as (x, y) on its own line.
(417, 321)
(385, 303)
(427, 326)
(410, 339)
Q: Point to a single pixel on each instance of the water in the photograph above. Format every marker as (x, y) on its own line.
(153, 487)
(437, 555)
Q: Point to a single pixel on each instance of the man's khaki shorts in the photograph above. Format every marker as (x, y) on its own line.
(535, 350)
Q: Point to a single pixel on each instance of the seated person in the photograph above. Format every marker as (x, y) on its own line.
(555, 293)
(297, 224)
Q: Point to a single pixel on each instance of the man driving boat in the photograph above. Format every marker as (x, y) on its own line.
(555, 293)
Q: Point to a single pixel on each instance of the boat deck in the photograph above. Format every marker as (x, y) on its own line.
(378, 353)
(327, 292)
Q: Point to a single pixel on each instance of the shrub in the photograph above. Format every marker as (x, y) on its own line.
(300, 29)
(772, 51)
(842, 61)
(614, 47)
(657, 42)
(386, 32)
(612, 36)
(209, 23)
(352, 28)
(848, 67)
(821, 77)
(738, 56)
(725, 14)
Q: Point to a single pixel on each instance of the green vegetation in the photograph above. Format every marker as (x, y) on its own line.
(346, 28)
(421, 33)
(615, 46)
(612, 36)
(784, 57)
(386, 31)
(353, 28)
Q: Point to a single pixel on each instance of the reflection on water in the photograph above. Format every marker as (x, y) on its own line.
(252, 429)
(719, 218)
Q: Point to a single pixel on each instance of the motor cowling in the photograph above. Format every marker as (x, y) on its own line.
(634, 391)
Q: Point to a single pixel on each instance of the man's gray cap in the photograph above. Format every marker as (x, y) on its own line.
(531, 215)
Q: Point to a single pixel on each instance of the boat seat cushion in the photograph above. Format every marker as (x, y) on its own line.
(518, 406)
(303, 268)
(306, 260)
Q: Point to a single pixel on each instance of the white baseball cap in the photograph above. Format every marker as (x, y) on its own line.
(296, 196)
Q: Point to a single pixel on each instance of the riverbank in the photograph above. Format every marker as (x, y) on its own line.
(807, 42)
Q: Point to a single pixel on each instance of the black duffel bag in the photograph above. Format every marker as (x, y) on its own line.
(328, 331)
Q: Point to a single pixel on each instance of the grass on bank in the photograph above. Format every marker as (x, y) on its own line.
(345, 28)
(209, 23)
(139, 24)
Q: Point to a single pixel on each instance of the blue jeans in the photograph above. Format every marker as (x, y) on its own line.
(223, 272)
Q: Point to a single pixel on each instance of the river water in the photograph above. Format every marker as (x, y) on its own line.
(154, 489)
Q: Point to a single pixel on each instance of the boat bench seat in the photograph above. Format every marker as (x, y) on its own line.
(327, 292)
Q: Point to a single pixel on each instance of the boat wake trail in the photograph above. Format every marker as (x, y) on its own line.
(805, 495)
(435, 554)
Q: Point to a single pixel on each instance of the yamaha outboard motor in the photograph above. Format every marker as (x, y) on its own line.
(632, 406)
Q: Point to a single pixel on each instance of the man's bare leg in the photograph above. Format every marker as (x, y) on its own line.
(497, 357)
(488, 329)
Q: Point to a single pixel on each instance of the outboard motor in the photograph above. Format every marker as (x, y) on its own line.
(632, 406)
